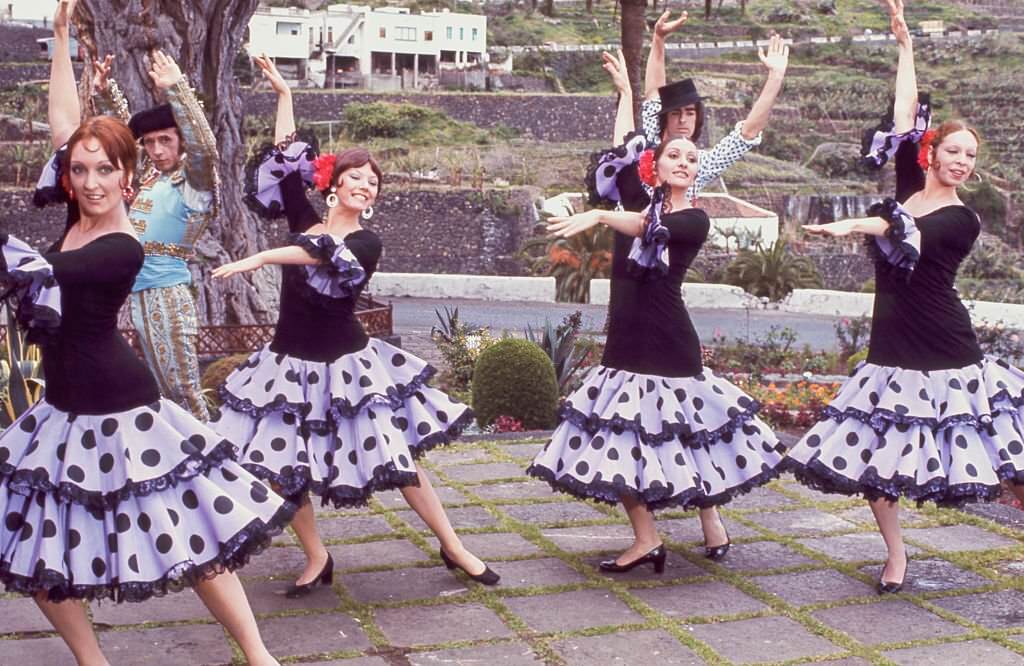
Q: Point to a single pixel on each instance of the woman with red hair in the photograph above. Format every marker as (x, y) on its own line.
(927, 416)
(326, 409)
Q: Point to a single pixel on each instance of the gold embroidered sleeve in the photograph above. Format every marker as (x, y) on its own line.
(200, 146)
(112, 102)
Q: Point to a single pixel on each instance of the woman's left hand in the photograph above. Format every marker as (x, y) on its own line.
(564, 227)
(236, 267)
(836, 229)
(777, 57)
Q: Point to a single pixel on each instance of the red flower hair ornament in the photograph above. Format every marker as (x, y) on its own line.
(323, 169)
(645, 167)
(924, 154)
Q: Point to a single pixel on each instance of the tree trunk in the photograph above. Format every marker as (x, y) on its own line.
(633, 28)
(590, 6)
(707, 9)
(203, 36)
(549, 7)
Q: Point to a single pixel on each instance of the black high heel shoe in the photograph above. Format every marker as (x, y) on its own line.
(325, 577)
(488, 577)
(716, 553)
(885, 587)
(656, 557)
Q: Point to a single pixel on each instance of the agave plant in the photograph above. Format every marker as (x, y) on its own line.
(22, 372)
(573, 261)
(771, 272)
(560, 345)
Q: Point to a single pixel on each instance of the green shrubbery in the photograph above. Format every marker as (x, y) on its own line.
(515, 378)
(771, 272)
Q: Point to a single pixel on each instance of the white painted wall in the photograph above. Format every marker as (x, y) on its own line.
(477, 287)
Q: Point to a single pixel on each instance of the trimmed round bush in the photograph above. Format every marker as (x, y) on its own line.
(515, 378)
(217, 372)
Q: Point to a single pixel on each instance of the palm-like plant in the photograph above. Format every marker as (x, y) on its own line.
(573, 261)
(22, 369)
(771, 272)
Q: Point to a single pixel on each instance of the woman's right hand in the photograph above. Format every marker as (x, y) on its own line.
(900, 31)
(271, 74)
(835, 229)
(616, 68)
(62, 18)
(663, 28)
(564, 227)
(241, 266)
(101, 73)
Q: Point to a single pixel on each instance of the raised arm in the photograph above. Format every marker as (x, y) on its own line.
(905, 105)
(616, 68)
(284, 124)
(200, 146)
(775, 60)
(654, 73)
(631, 224)
(64, 109)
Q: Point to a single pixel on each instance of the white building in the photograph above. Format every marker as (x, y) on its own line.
(354, 45)
(736, 223)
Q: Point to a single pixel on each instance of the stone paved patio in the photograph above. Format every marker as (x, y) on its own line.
(796, 588)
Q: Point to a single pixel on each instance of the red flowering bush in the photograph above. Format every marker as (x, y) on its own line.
(507, 424)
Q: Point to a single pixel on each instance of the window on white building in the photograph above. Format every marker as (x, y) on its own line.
(428, 35)
(330, 34)
(405, 34)
(462, 33)
(288, 28)
(476, 34)
(383, 33)
(448, 32)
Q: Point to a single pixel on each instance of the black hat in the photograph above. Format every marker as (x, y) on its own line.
(152, 120)
(678, 95)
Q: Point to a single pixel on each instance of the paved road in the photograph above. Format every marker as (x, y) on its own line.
(415, 316)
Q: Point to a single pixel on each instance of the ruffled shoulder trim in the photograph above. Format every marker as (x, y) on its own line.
(271, 164)
(339, 273)
(50, 186)
(900, 247)
(28, 286)
(606, 165)
(879, 144)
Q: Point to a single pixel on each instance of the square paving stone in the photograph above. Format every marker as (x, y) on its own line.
(887, 622)
(184, 605)
(547, 571)
(268, 597)
(170, 646)
(995, 610)
(393, 499)
(23, 615)
(761, 638)
(597, 538)
(853, 547)
(513, 491)
(569, 611)
(461, 518)
(688, 530)
(550, 513)
(959, 538)
(285, 561)
(523, 451)
(933, 576)
(402, 584)
(376, 553)
(801, 522)
(42, 651)
(709, 599)
(760, 556)
(626, 648)
(301, 635)
(500, 544)
(502, 654)
(863, 516)
(352, 527)
(358, 661)
(761, 498)
(968, 652)
(484, 472)
(431, 625)
(451, 456)
(676, 567)
(813, 587)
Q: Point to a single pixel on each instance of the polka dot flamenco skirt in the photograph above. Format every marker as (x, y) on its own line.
(125, 506)
(948, 436)
(340, 430)
(669, 441)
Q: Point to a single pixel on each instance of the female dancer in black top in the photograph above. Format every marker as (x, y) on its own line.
(107, 490)
(651, 427)
(927, 416)
(324, 408)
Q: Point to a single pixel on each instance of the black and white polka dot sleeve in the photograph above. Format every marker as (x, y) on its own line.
(729, 150)
(649, 121)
